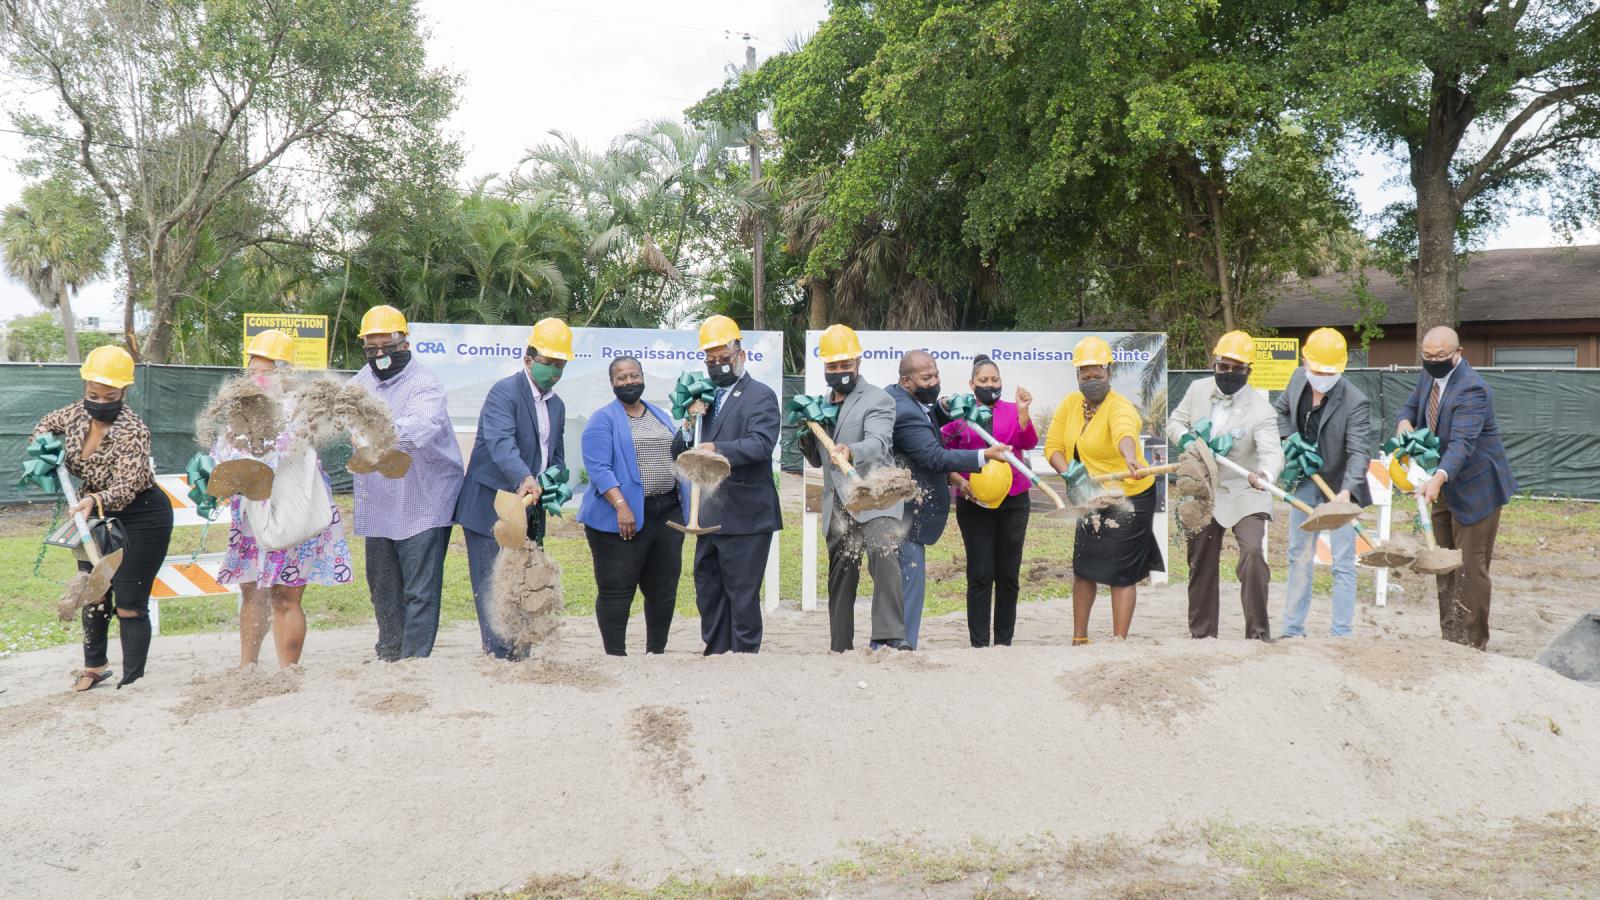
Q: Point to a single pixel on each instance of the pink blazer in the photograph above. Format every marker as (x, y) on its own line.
(957, 436)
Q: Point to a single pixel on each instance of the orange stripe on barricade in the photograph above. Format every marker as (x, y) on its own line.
(202, 579)
(160, 591)
(1378, 472)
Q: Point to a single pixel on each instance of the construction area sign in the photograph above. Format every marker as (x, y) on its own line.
(310, 335)
(1276, 360)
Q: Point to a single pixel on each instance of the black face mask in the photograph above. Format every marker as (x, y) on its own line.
(1231, 383)
(926, 395)
(1095, 389)
(841, 382)
(396, 361)
(988, 396)
(723, 376)
(1438, 369)
(103, 412)
(628, 393)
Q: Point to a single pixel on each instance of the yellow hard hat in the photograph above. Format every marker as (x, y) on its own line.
(719, 331)
(1091, 351)
(551, 337)
(384, 320)
(838, 343)
(1325, 352)
(1399, 475)
(271, 344)
(992, 483)
(108, 365)
(1237, 346)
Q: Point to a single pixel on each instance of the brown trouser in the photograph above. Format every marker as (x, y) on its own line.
(1464, 593)
(1205, 556)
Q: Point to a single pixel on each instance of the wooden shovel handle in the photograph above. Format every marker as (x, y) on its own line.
(1149, 471)
(1273, 489)
(832, 450)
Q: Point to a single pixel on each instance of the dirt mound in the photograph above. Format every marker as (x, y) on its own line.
(235, 689)
(1153, 689)
(393, 703)
(661, 733)
(1403, 663)
(583, 676)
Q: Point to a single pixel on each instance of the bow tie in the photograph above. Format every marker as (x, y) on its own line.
(1224, 399)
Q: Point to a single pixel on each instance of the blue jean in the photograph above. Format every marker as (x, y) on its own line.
(1302, 561)
(482, 550)
(913, 586)
(405, 578)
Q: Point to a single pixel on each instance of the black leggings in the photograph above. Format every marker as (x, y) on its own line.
(148, 523)
(651, 563)
(993, 539)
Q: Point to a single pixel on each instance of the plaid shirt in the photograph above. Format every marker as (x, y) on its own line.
(426, 497)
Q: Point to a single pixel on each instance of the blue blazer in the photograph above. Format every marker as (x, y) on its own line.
(745, 430)
(918, 447)
(612, 462)
(506, 450)
(1479, 476)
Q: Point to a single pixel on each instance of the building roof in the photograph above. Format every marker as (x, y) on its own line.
(1538, 284)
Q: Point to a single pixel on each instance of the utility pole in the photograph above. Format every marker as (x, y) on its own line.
(758, 269)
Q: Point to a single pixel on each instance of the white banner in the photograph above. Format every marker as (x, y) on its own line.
(1040, 361)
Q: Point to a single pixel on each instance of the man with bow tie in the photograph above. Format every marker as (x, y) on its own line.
(1239, 415)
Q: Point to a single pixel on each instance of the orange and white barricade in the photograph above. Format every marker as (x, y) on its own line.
(1382, 497)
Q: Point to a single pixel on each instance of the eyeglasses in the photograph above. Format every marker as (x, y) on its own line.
(1232, 368)
(724, 361)
(384, 350)
(1438, 357)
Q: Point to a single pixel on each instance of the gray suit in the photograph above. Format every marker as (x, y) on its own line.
(1343, 438)
(866, 425)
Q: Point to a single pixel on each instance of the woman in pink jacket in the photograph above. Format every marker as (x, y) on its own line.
(994, 536)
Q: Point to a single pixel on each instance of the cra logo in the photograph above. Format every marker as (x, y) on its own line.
(430, 346)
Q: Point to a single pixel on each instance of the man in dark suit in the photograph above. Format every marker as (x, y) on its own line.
(1472, 483)
(1330, 413)
(521, 433)
(918, 416)
(741, 423)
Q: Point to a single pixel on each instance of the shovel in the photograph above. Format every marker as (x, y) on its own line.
(1434, 559)
(1062, 510)
(693, 526)
(250, 477)
(1080, 496)
(862, 495)
(392, 463)
(1382, 554)
(1313, 521)
(85, 589)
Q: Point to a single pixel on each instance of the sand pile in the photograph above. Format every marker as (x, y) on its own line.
(525, 605)
(235, 688)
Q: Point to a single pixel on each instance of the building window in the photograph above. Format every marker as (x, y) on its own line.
(1543, 357)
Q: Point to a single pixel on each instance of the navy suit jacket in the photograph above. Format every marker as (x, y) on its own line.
(506, 450)
(745, 429)
(1479, 478)
(918, 447)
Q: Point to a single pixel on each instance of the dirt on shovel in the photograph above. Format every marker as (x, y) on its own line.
(706, 468)
(88, 588)
(1394, 553)
(1331, 515)
(882, 488)
(1436, 561)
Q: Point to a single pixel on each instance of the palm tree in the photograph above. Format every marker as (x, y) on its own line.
(54, 241)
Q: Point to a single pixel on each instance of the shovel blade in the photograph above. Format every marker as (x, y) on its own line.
(1386, 556)
(1436, 561)
(250, 477)
(362, 461)
(686, 529)
(1331, 516)
(394, 463)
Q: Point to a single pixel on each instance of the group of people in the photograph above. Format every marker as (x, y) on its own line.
(635, 494)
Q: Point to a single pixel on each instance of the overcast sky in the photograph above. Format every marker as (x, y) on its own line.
(596, 69)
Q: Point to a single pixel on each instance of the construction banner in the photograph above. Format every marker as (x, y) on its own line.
(1276, 360)
(310, 335)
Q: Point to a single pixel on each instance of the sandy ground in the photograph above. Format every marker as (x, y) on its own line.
(457, 774)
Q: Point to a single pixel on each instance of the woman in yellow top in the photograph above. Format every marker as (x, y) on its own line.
(1100, 428)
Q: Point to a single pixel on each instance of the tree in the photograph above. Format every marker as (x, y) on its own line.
(39, 338)
(55, 241)
(1487, 101)
(177, 110)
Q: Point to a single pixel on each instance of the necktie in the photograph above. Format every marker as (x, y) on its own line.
(716, 404)
(1433, 408)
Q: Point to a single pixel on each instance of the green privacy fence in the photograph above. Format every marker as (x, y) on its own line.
(1549, 420)
(167, 397)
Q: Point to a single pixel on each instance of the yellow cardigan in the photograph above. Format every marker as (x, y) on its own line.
(1117, 418)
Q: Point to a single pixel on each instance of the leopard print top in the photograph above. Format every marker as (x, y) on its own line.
(119, 469)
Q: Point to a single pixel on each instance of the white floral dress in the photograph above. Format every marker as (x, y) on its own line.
(323, 559)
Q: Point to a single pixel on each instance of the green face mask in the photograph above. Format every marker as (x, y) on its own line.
(545, 376)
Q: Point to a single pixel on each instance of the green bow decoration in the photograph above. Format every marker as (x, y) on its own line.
(199, 472)
(1420, 446)
(966, 407)
(691, 386)
(1220, 445)
(803, 408)
(1301, 460)
(39, 469)
(1074, 474)
(554, 489)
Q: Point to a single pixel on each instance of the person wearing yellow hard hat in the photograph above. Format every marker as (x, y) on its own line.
(521, 433)
(863, 434)
(107, 447)
(272, 583)
(1239, 419)
(1334, 416)
(1100, 429)
(406, 521)
(741, 424)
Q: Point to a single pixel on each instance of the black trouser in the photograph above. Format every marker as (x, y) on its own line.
(993, 540)
(650, 563)
(147, 521)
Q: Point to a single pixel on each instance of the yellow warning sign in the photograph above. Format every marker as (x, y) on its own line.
(1276, 360)
(310, 335)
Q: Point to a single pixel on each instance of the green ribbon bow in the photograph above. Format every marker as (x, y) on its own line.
(1220, 444)
(199, 472)
(803, 408)
(1421, 446)
(967, 408)
(1301, 460)
(39, 469)
(554, 489)
(691, 386)
(1074, 474)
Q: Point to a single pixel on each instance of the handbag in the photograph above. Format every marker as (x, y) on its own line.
(299, 508)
